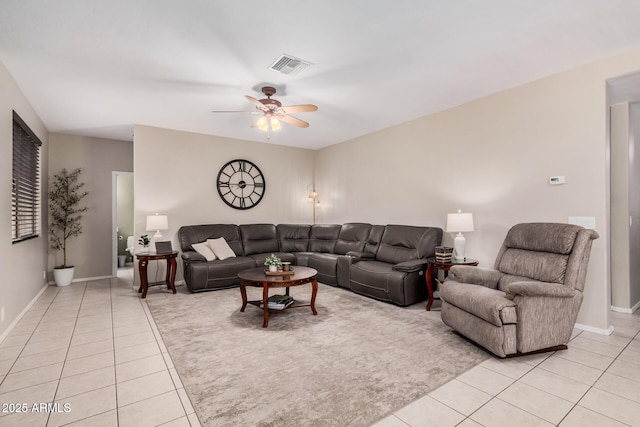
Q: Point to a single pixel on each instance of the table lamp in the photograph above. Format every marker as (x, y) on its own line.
(458, 223)
(157, 222)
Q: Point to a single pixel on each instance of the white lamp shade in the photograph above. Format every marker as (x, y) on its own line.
(459, 222)
(157, 222)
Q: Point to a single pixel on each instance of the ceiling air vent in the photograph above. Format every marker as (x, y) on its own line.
(289, 65)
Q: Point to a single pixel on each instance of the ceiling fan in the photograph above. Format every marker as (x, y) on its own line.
(272, 112)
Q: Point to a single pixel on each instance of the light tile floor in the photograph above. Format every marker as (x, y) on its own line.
(92, 352)
(596, 382)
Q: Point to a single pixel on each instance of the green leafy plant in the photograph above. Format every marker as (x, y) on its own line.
(65, 211)
(273, 260)
(144, 240)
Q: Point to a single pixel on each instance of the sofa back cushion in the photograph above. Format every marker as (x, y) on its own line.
(539, 251)
(293, 237)
(353, 236)
(259, 238)
(543, 237)
(323, 237)
(190, 234)
(404, 242)
(374, 239)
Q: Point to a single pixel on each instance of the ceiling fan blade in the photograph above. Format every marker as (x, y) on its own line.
(294, 121)
(236, 111)
(299, 108)
(258, 104)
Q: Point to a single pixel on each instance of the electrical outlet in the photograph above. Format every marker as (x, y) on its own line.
(2, 314)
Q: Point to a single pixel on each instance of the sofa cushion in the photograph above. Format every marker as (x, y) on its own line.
(327, 267)
(293, 237)
(352, 237)
(220, 248)
(191, 234)
(379, 280)
(543, 237)
(323, 237)
(259, 238)
(485, 303)
(541, 266)
(404, 242)
(284, 256)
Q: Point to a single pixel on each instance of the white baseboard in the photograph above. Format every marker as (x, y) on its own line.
(86, 279)
(626, 310)
(22, 313)
(608, 331)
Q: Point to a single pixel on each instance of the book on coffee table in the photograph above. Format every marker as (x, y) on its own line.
(279, 302)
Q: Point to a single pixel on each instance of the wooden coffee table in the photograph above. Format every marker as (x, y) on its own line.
(256, 277)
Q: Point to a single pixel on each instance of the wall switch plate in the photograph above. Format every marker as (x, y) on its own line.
(583, 221)
(556, 180)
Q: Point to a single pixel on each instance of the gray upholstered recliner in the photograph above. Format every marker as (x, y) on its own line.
(530, 300)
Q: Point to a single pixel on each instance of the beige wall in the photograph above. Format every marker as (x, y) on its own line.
(91, 252)
(22, 264)
(491, 157)
(176, 176)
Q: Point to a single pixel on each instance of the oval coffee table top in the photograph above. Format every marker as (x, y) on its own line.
(257, 275)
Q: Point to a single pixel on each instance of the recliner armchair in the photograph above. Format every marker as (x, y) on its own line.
(529, 302)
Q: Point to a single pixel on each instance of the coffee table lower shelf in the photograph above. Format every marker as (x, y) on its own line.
(258, 303)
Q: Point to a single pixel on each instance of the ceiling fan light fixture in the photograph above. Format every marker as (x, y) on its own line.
(275, 123)
(262, 124)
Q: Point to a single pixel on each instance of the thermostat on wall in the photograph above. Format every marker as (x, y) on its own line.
(556, 180)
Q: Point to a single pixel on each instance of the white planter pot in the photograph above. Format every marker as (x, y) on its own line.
(63, 276)
(273, 268)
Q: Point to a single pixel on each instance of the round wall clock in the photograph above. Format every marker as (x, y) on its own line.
(240, 184)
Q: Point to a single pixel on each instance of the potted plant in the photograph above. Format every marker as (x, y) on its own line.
(273, 262)
(66, 214)
(145, 241)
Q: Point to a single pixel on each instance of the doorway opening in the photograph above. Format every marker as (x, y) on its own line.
(623, 96)
(122, 220)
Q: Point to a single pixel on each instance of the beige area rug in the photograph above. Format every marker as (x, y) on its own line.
(355, 362)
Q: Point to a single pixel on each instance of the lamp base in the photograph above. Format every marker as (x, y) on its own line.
(458, 246)
(157, 236)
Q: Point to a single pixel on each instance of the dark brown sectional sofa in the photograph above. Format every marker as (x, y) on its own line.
(382, 262)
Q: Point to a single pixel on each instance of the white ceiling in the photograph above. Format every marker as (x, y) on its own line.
(97, 67)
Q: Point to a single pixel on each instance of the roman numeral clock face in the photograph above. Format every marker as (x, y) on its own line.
(241, 184)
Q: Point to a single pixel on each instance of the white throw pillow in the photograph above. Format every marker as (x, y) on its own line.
(203, 249)
(221, 248)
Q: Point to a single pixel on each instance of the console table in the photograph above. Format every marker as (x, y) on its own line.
(433, 265)
(145, 257)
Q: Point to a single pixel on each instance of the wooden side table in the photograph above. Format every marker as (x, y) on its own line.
(145, 257)
(433, 265)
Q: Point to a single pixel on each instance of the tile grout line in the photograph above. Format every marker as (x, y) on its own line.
(594, 383)
(64, 362)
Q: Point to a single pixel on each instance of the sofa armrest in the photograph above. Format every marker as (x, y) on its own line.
(539, 289)
(487, 277)
(193, 256)
(411, 266)
(359, 256)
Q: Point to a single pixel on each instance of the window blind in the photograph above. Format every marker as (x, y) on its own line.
(25, 196)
